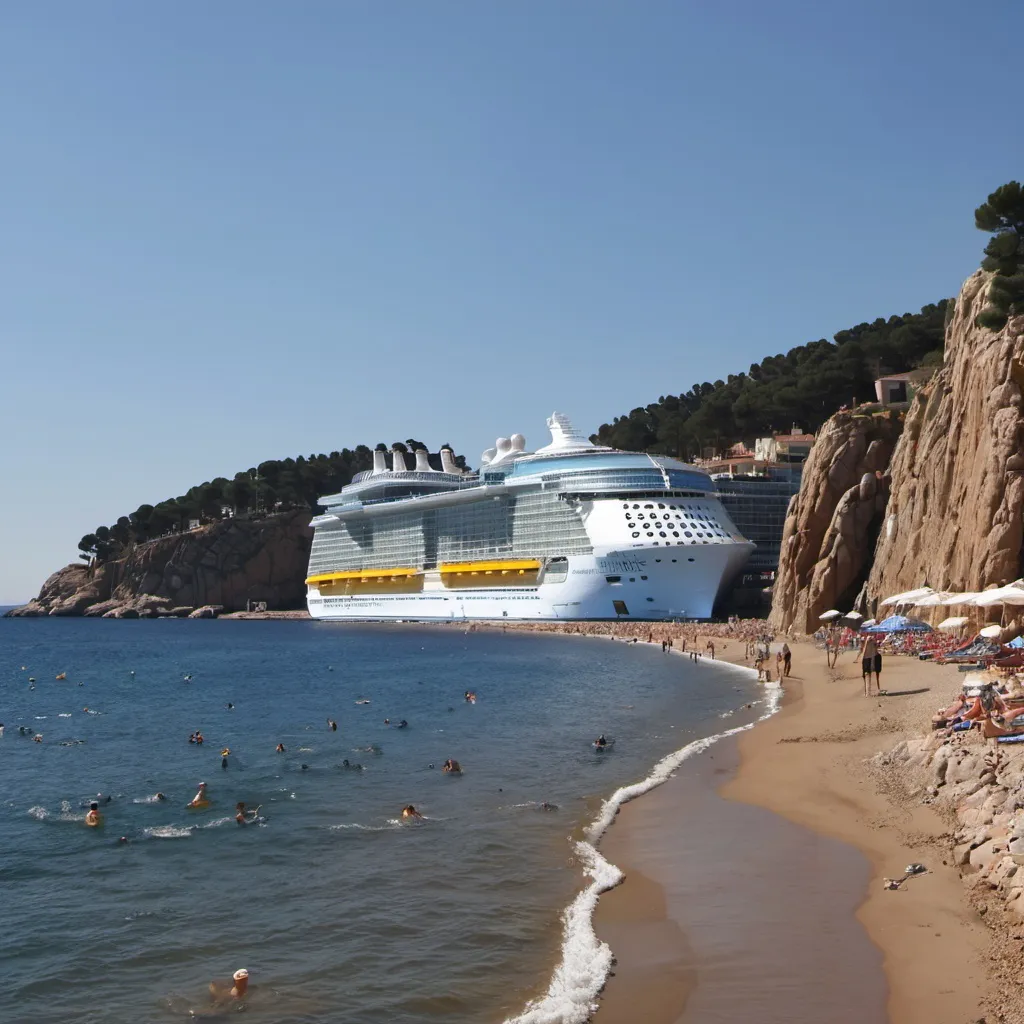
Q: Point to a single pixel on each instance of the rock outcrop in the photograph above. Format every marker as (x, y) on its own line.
(955, 519)
(832, 524)
(217, 567)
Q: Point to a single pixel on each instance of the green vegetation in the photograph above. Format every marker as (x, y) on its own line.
(804, 386)
(274, 486)
(1003, 213)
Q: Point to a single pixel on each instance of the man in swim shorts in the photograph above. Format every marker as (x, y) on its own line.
(868, 654)
(93, 816)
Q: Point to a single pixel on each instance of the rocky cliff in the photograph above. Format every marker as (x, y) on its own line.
(955, 519)
(221, 566)
(832, 524)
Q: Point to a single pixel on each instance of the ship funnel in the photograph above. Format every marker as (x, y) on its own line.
(423, 461)
(398, 461)
(501, 448)
(448, 462)
(379, 463)
(518, 443)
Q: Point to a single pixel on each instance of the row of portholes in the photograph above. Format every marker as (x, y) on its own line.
(699, 519)
(635, 534)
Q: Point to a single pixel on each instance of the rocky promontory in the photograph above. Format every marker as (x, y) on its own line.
(955, 519)
(831, 525)
(219, 567)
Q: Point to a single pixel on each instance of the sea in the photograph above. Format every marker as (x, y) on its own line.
(480, 911)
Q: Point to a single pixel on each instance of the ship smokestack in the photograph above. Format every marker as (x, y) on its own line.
(398, 461)
(379, 463)
(448, 462)
(422, 461)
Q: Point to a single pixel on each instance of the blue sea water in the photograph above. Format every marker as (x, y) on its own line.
(338, 909)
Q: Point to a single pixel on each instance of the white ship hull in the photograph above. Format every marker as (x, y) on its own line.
(654, 583)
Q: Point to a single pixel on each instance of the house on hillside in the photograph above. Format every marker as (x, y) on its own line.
(897, 388)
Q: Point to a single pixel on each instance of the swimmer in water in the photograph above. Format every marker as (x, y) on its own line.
(124, 839)
(403, 724)
(38, 738)
(160, 796)
(240, 984)
(545, 806)
(192, 738)
(202, 798)
(601, 741)
(230, 706)
(240, 813)
(452, 766)
(279, 749)
(387, 721)
(332, 725)
(470, 696)
(411, 812)
(93, 816)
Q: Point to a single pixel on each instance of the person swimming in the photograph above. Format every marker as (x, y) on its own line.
(240, 813)
(93, 816)
(279, 749)
(470, 697)
(159, 796)
(332, 725)
(410, 812)
(230, 706)
(601, 741)
(403, 724)
(201, 799)
(452, 766)
(238, 989)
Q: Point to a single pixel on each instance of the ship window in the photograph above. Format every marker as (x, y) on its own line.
(629, 515)
(675, 533)
(657, 559)
(648, 506)
(660, 505)
(636, 506)
(640, 515)
(675, 559)
(689, 559)
(636, 533)
(632, 579)
(661, 533)
(614, 579)
(672, 507)
(650, 599)
(643, 577)
(686, 533)
(625, 506)
(620, 607)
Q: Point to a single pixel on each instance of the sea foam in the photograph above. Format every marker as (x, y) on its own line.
(586, 961)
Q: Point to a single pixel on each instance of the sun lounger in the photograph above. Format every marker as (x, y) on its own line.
(1011, 739)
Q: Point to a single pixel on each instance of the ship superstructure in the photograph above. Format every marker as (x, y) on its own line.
(573, 530)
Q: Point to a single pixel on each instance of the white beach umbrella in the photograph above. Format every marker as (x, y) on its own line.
(954, 622)
(908, 597)
(853, 615)
(968, 598)
(991, 632)
(931, 600)
(1011, 594)
(869, 622)
(832, 613)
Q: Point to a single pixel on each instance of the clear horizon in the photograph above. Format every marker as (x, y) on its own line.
(247, 231)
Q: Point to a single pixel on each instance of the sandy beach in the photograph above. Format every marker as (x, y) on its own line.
(810, 765)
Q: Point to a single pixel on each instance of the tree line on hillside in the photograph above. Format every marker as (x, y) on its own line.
(809, 383)
(277, 485)
(804, 386)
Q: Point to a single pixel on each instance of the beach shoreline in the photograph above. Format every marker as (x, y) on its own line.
(811, 765)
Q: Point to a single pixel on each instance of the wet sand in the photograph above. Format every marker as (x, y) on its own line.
(766, 878)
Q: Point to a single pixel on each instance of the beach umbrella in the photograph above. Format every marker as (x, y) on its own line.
(869, 622)
(853, 615)
(832, 613)
(1011, 594)
(954, 622)
(991, 632)
(968, 598)
(909, 597)
(898, 624)
(931, 600)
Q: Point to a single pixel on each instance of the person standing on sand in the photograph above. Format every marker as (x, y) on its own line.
(787, 660)
(870, 661)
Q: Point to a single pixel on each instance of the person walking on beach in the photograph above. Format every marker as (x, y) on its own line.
(868, 655)
(787, 660)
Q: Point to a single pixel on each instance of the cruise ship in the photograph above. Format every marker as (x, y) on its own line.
(572, 530)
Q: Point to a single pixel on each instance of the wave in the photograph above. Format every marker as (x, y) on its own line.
(64, 714)
(167, 832)
(42, 814)
(586, 961)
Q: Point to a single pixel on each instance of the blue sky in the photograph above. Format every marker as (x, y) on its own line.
(249, 230)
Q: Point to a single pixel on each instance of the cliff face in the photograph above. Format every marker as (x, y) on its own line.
(832, 523)
(954, 520)
(225, 564)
